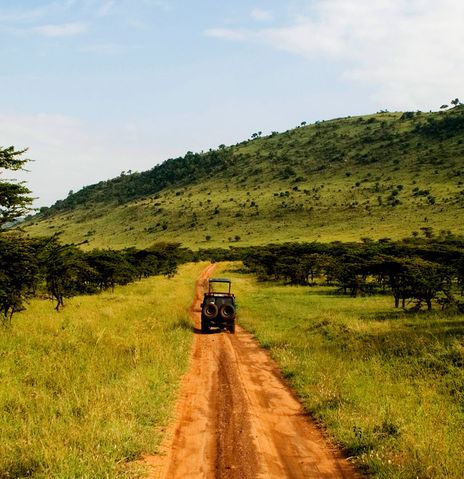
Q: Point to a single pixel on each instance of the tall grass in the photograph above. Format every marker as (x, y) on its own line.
(86, 391)
(388, 386)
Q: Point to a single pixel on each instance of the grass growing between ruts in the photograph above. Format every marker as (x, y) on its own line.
(86, 391)
(388, 386)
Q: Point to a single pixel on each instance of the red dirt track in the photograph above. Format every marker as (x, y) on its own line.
(237, 419)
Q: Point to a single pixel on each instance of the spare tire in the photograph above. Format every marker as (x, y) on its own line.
(210, 310)
(227, 311)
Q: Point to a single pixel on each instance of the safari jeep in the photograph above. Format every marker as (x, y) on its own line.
(218, 308)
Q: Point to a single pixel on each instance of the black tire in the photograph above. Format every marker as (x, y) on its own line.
(231, 327)
(210, 310)
(227, 312)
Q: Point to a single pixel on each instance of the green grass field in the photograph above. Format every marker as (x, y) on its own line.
(386, 385)
(375, 176)
(86, 391)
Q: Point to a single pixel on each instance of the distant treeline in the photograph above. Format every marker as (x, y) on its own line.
(418, 270)
(44, 267)
(423, 271)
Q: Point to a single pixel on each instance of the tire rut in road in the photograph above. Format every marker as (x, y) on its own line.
(235, 454)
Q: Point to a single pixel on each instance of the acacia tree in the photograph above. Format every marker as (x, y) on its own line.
(18, 264)
(427, 279)
(111, 268)
(19, 273)
(14, 196)
(65, 270)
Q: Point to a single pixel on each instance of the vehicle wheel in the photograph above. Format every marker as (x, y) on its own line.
(227, 311)
(231, 327)
(210, 310)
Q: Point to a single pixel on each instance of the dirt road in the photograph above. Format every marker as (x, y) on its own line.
(237, 419)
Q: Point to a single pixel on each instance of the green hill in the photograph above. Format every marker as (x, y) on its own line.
(382, 175)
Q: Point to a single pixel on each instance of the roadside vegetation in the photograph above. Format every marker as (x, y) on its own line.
(45, 267)
(381, 175)
(386, 384)
(86, 391)
(34, 267)
(417, 272)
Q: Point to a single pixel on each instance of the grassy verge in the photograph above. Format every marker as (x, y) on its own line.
(388, 386)
(86, 391)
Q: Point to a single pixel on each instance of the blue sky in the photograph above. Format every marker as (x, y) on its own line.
(95, 87)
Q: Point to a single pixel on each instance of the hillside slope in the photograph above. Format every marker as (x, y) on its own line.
(383, 175)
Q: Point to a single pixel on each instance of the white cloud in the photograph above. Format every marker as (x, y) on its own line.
(410, 51)
(261, 15)
(61, 30)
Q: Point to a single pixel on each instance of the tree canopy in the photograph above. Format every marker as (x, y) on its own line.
(15, 199)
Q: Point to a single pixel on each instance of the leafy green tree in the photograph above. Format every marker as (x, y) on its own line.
(14, 196)
(160, 258)
(351, 274)
(169, 255)
(19, 273)
(111, 268)
(66, 272)
(418, 279)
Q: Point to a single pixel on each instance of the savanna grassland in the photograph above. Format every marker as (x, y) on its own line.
(382, 175)
(88, 390)
(386, 384)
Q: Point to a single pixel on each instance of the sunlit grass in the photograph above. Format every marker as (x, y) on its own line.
(344, 174)
(323, 223)
(388, 386)
(88, 390)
